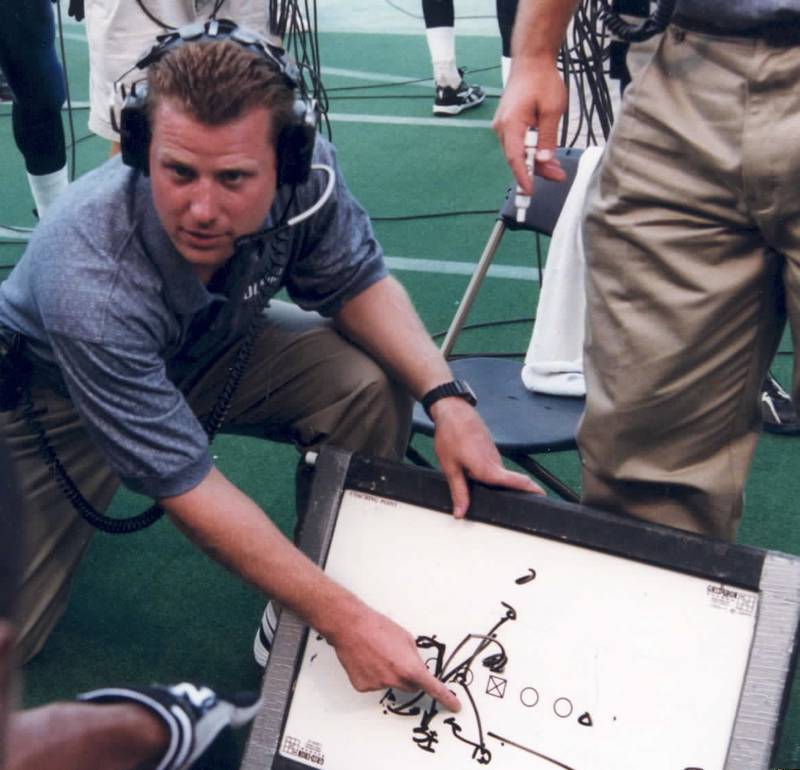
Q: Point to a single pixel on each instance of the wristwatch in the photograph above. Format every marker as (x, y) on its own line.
(456, 388)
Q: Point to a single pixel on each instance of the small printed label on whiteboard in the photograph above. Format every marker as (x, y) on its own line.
(309, 752)
(733, 600)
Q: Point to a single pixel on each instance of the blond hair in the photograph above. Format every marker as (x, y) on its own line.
(216, 81)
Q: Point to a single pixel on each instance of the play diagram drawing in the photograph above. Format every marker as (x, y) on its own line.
(562, 656)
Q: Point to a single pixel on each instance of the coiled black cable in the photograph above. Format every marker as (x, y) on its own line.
(211, 424)
(636, 33)
(294, 23)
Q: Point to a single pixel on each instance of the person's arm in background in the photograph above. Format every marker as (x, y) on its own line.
(382, 320)
(375, 652)
(535, 94)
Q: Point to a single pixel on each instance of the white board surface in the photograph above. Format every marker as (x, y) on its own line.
(609, 664)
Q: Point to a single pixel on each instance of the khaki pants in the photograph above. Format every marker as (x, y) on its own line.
(305, 384)
(10, 541)
(686, 297)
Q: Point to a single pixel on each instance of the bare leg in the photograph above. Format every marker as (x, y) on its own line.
(67, 736)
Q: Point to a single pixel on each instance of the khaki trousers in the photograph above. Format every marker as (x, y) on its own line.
(305, 384)
(695, 200)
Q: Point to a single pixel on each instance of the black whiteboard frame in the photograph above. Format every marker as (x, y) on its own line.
(774, 576)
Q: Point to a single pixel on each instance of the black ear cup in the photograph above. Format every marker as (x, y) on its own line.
(134, 128)
(295, 145)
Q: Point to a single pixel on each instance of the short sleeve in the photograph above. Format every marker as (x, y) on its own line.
(135, 415)
(335, 255)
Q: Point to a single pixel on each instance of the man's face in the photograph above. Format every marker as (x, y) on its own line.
(211, 184)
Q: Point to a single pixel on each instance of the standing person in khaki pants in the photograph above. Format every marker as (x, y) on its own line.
(694, 201)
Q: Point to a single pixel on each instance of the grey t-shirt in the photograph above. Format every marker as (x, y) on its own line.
(107, 303)
(741, 14)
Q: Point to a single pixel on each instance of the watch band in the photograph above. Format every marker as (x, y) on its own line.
(456, 388)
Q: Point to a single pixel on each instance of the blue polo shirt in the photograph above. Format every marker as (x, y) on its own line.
(111, 308)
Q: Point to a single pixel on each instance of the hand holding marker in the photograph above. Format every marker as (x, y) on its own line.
(522, 201)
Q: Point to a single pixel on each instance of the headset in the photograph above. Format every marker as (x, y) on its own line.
(295, 144)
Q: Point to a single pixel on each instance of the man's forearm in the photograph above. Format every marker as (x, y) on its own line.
(383, 321)
(540, 27)
(376, 653)
(234, 531)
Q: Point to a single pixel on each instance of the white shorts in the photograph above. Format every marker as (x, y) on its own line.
(119, 33)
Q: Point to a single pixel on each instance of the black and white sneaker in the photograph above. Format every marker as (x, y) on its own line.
(262, 644)
(194, 715)
(777, 409)
(452, 101)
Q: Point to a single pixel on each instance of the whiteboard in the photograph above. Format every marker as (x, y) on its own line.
(575, 639)
(562, 656)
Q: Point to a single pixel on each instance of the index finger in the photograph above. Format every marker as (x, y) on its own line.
(512, 140)
(438, 691)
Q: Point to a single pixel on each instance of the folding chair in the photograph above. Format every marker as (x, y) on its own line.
(522, 423)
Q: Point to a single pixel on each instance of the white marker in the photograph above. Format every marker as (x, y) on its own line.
(521, 200)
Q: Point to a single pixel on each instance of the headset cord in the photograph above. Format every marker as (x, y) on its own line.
(211, 424)
(636, 33)
(153, 17)
(150, 15)
(216, 417)
(71, 492)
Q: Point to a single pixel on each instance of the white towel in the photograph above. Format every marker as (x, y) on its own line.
(554, 362)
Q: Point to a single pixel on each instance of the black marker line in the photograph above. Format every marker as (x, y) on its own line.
(530, 751)
(430, 642)
(407, 708)
(520, 581)
(423, 735)
(480, 746)
(479, 750)
(477, 716)
(466, 664)
(511, 614)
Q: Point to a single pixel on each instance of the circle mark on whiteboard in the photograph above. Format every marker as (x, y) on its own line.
(562, 707)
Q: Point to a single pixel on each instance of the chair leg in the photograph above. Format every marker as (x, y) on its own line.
(548, 479)
(474, 285)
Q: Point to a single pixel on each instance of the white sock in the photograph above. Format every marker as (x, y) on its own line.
(505, 68)
(45, 188)
(442, 47)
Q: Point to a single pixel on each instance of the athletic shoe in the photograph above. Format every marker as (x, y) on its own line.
(262, 644)
(452, 101)
(194, 715)
(777, 410)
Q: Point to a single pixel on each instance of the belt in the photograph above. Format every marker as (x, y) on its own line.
(785, 33)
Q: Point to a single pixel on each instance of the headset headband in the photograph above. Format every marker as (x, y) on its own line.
(295, 144)
(222, 29)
